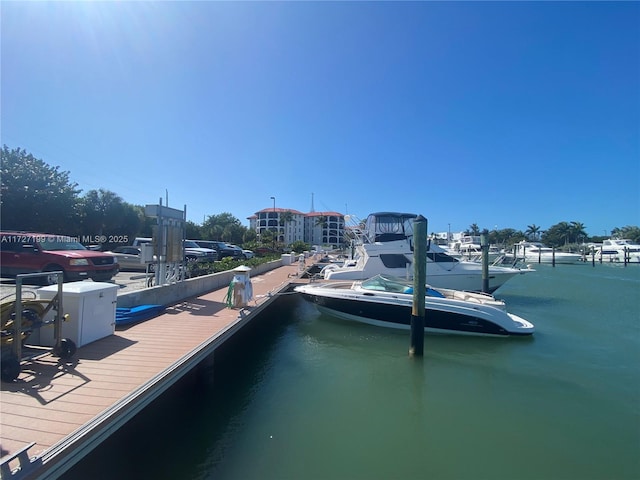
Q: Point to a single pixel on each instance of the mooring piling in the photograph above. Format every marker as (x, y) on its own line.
(419, 286)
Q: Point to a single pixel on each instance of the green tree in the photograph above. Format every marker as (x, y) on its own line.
(105, 214)
(630, 232)
(576, 230)
(223, 226)
(322, 221)
(250, 236)
(193, 230)
(300, 246)
(35, 196)
(473, 229)
(557, 235)
(532, 231)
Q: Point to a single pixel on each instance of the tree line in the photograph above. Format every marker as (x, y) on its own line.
(36, 197)
(561, 235)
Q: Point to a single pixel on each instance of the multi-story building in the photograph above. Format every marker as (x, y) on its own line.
(315, 228)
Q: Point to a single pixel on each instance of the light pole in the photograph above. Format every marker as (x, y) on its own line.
(275, 220)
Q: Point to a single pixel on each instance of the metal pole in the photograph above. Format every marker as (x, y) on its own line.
(57, 326)
(274, 219)
(17, 322)
(484, 247)
(419, 286)
(553, 256)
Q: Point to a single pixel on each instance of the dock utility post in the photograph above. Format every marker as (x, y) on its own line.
(419, 286)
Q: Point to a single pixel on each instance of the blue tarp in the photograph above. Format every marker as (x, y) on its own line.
(127, 316)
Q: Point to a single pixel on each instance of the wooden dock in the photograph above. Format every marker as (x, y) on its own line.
(59, 410)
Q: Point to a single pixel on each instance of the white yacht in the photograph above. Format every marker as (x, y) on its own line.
(385, 246)
(468, 247)
(536, 252)
(614, 249)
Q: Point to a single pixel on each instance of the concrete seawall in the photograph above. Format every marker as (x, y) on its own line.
(176, 292)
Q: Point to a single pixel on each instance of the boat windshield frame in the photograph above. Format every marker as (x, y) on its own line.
(387, 283)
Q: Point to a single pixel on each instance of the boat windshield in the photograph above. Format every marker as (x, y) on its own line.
(386, 283)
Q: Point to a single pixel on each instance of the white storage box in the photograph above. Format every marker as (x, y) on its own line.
(91, 307)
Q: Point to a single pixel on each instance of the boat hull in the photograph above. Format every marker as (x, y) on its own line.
(560, 258)
(438, 318)
(456, 280)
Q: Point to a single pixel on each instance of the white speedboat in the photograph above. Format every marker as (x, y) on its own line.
(614, 250)
(385, 246)
(536, 252)
(388, 302)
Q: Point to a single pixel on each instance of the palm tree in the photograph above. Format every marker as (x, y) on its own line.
(576, 230)
(474, 229)
(286, 217)
(533, 231)
(321, 221)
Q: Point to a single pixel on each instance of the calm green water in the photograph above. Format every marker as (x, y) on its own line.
(309, 397)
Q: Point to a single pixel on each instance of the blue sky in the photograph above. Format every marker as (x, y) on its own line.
(502, 114)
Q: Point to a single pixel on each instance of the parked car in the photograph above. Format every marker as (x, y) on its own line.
(223, 249)
(22, 252)
(195, 253)
(192, 251)
(248, 253)
(128, 258)
(237, 251)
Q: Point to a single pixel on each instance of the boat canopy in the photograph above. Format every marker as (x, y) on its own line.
(389, 226)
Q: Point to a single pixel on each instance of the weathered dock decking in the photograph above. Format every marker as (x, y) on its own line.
(67, 407)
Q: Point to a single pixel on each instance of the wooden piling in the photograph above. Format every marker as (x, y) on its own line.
(484, 248)
(419, 286)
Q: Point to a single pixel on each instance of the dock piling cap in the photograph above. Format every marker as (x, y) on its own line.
(242, 268)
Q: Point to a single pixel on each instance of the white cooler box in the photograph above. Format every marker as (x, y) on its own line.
(91, 307)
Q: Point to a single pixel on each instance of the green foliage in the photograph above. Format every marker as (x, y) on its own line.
(564, 233)
(35, 196)
(105, 214)
(300, 246)
(224, 227)
(197, 269)
(630, 232)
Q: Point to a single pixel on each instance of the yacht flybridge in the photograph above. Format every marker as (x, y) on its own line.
(385, 246)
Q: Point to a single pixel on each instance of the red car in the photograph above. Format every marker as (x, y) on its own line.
(22, 252)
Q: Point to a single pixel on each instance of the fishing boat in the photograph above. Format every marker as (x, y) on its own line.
(385, 246)
(387, 302)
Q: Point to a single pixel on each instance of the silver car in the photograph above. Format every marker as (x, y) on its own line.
(128, 258)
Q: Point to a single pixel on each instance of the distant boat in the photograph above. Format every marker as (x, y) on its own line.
(385, 246)
(387, 302)
(614, 250)
(468, 247)
(536, 252)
